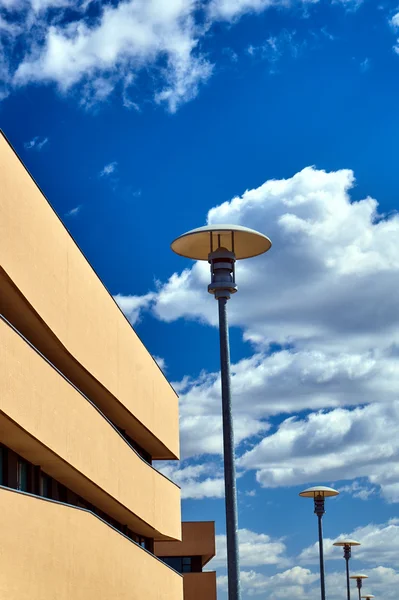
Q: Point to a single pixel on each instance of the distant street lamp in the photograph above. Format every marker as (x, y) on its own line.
(221, 246)
(359, 578)
(319, 493)
(347, 545)
(368, 596)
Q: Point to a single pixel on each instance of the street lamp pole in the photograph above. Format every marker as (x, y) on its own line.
(319, 493)
(347, 545)
(359, 578)
(221, 245)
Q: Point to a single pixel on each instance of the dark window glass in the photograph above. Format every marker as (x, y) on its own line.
(45, 486)
(62, 493)
(22, 480)
(186, 563)
(173, 561)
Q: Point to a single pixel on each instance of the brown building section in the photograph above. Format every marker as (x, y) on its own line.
(190, 556)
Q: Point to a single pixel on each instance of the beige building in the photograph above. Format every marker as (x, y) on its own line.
(84, 410)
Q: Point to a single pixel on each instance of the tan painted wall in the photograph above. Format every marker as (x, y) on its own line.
(200, 586)
(198, 539)
(79, 440)
(42, 260)
(52, 551)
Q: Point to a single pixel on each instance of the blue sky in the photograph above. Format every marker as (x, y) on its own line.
(143, 119)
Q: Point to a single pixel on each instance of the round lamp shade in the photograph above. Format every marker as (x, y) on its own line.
(359, 576)
(319, 490)
(368, 596)
(346, 543)
(198, 243)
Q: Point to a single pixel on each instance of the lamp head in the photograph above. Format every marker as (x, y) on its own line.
(242, 241)
(346, 542)
(319, 490)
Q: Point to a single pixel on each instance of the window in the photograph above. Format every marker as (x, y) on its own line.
(173, 561)
(22, 476)
(186, 564)
(45, 485)
(181, 564)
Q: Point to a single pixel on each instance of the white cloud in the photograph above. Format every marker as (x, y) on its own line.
(74, 211)
(37, 143)
(196, 481)
(326, 297)
(229, 10)
(294, 582)
(357, 490)
(337, 445)
(255, 549)
(379, 545)
(306, 291)
(108, 169)
(132, 306)
(300, 583)
(128, 37)
(63, 44)
(160, 362)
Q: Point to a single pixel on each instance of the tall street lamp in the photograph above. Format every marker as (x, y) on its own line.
(359, 578)
(221, 246)
(368, 596)
(319, 493)
(347, 545)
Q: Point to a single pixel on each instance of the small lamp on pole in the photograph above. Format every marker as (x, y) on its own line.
(347, 545)
(359, 578)
(221, 246)
(319, 493)
(368, 596)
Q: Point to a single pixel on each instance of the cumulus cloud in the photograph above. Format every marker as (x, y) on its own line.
(320, 310)
(294, 582)
(132, 306)
(328, 277)
(255, 549)
(229, 10)
(395, 26)
(358, 490)
(109, 51)
(299, 582)
(95, 53)
(160, 362)
(335, 445)
(379, 544)
(197, 481)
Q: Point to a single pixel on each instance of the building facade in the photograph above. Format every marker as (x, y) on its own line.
(84, 410)
(190, 556)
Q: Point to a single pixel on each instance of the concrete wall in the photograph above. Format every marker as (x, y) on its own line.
(47, 421)
(50, 272)
(53, 551)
